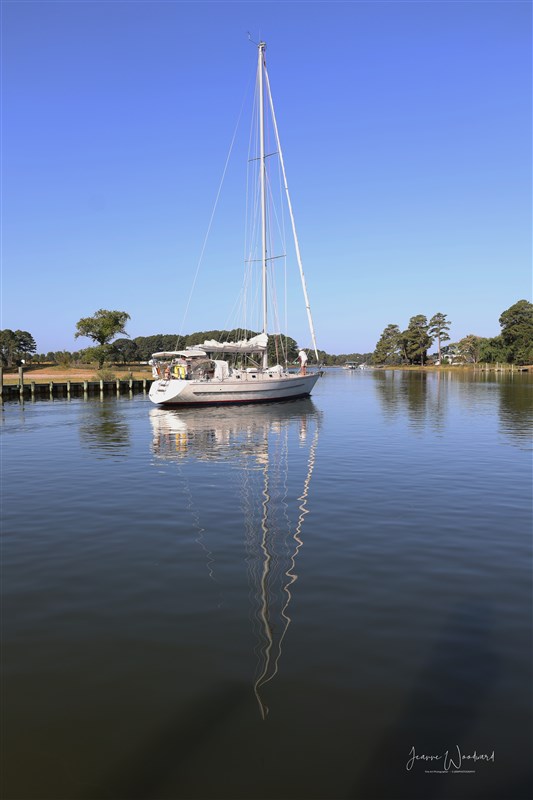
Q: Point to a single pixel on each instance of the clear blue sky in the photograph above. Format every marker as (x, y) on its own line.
(406, 129)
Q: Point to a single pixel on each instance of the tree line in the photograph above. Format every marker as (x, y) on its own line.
(513, 345)
(103, 328)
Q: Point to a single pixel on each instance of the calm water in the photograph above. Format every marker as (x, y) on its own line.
(274, 602)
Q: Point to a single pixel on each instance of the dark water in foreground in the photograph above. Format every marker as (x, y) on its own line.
(274, 602)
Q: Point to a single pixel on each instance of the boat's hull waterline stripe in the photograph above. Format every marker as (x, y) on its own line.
(234, 402)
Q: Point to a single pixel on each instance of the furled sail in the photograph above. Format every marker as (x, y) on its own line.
(190, 352)
(257, 344)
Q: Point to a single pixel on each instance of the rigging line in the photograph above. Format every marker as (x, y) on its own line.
(273, 297)
(243, 298)
(275, 222)
(276, 215)
(284, 241)
(267, 155)
(251, 288)
(232, 320)
(286, 314)
(291, 214)
(249, 209)
(271, 278)
(213, 212)
(269, 258)
(252, 227)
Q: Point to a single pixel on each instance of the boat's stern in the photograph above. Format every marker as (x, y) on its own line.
(167, 391)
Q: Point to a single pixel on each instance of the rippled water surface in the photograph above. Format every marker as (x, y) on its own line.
(328, 598)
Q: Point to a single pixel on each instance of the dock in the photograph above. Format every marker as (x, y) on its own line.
(53, 389)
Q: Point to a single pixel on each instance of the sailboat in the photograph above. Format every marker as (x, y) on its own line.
(215, 372)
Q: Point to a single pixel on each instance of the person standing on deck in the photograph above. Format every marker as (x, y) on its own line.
(302, 357)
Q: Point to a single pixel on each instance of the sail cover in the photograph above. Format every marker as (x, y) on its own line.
(257, 344)
(190, 352)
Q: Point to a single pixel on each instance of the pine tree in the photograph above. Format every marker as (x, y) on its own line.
(438, 329)
(388, 347)
(417, 339)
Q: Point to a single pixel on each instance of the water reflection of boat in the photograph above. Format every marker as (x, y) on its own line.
(272, 448)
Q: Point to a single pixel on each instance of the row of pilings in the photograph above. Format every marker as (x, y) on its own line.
(32, 389)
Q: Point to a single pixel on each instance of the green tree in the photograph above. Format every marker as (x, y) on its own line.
(388, 346)
(493, 351)
(25, 344)
(470, 347)
(102, 327)
(125, 350)
(8, 347)
(146, 345)
(438, 329)
(63, 358)
(91, 354)
(517, 331)
(416, 339)
(15, 345)
(283, 348)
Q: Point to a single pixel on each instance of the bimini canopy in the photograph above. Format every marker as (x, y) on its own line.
(192, 352)
(257, 344)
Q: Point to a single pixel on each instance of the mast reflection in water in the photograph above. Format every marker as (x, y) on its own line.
(264, 445)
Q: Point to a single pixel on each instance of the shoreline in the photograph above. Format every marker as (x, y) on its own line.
(44, 375)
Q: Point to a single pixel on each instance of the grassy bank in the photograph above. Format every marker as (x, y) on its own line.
(44, 373)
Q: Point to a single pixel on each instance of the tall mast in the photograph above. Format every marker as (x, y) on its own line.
(260, 66)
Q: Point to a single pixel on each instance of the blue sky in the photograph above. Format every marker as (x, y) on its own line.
(406, 129)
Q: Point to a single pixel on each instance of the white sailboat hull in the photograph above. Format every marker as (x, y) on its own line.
(258, 389)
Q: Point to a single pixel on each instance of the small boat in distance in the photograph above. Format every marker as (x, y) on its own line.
(216, 372)
(350, 365)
